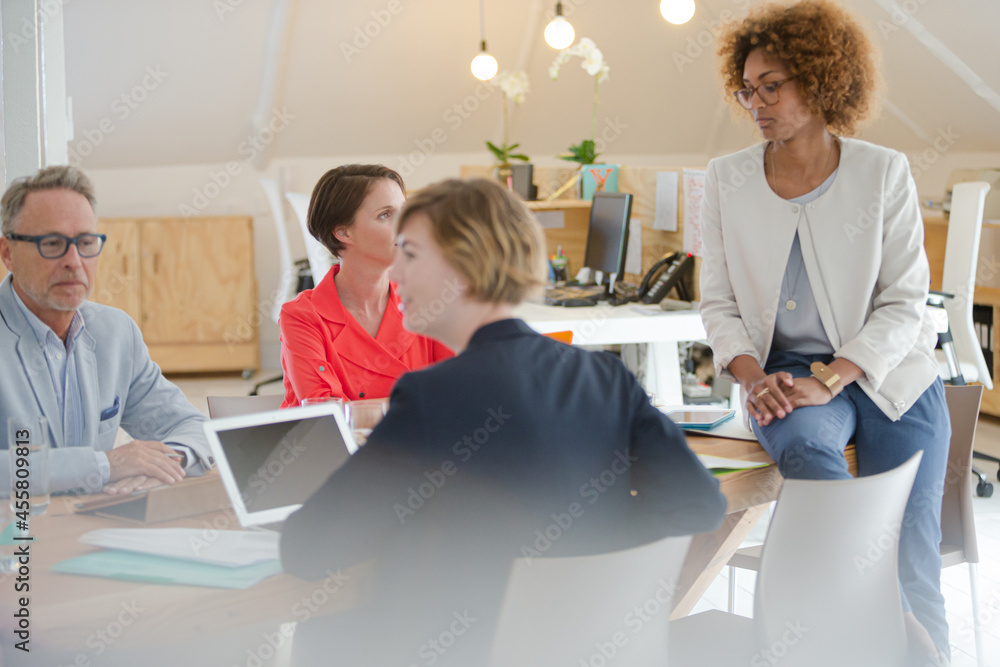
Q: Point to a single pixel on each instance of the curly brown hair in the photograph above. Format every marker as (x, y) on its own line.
(823, 46)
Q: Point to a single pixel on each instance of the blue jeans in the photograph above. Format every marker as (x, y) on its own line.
(809, 444)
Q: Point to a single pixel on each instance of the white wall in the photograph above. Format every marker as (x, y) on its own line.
(211, 190)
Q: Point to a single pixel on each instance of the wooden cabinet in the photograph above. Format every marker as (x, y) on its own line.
(189, 284)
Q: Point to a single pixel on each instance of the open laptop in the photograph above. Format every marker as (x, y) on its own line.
(271, 462)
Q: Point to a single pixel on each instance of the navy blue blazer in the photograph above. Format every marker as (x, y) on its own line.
(520, 446)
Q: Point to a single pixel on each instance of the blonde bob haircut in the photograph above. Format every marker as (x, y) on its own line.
(486, 234)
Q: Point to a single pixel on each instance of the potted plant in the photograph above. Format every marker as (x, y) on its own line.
(584, 153)
(515, 88)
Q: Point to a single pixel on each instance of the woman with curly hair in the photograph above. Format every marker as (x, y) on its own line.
(815, 280)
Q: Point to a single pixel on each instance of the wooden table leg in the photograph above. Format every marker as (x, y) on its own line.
(708, 554)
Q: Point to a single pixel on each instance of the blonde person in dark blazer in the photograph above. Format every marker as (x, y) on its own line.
(518, 436)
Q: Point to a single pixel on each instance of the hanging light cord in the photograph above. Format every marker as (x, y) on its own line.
(482, 24)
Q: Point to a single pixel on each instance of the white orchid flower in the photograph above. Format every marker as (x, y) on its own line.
(514, 85)
(593, 62)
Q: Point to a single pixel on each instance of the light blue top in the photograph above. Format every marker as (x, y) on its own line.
(801, 330)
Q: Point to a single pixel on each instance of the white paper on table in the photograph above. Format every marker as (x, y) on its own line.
(232, 548)
(694, 193)
(633, 254)
(666, 201)
(551, 219)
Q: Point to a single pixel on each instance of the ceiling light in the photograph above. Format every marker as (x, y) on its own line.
(559, 32)
(484, 66)
(677, 12)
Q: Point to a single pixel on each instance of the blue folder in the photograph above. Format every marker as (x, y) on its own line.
(132, 566)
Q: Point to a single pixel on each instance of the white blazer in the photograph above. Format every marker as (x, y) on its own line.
(862, 245)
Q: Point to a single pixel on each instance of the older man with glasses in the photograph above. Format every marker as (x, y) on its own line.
(81, 365)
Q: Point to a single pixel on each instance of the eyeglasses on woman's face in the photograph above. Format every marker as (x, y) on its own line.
(767, 92)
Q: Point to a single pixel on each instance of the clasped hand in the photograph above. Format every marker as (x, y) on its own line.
(778, 394)
(141, 464)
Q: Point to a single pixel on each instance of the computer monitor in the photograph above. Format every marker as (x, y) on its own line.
(607, 234)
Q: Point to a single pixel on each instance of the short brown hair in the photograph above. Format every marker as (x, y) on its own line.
(823, 46)
(59, 177)
(487, 234)
(337, 197)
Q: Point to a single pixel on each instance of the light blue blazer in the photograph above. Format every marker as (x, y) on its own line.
(121, 386)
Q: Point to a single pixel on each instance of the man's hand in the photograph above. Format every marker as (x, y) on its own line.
(127, 485)
(144, 457)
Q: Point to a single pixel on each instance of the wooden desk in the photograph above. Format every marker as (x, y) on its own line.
(68, 612)
(749, 493)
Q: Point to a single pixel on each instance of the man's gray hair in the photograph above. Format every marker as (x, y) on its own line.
(50, 178)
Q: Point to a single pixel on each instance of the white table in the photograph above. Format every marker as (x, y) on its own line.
(613, 325)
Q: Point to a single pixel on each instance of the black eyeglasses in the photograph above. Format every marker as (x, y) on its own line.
(767, 91)
(54, 246)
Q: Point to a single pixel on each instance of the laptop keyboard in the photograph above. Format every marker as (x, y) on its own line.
(555, 296)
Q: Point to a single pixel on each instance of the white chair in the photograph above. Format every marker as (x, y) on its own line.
(288, 276)
(961, 357)
(958, 522)
(958, 525)
(828, 589)
(320, 259)
(581, 610)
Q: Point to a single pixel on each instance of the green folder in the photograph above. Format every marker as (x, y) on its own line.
(147, 568)
(7, 536)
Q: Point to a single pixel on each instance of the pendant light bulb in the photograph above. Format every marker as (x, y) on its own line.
(484, 66)
(559, 32)
(677, 12)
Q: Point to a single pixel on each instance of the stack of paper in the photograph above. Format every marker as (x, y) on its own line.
(233, 548)
(186, 556)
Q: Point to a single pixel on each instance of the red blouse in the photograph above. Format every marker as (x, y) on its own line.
(325, 352)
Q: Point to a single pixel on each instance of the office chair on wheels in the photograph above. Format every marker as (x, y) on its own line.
(961, 357)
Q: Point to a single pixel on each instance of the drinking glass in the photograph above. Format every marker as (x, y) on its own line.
(28, 446)
(322, 399)
(7, 544)
(362, 416)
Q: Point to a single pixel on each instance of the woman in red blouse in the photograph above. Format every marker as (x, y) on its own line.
(345, 338)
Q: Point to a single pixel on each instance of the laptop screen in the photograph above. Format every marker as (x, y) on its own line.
(271, 462)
